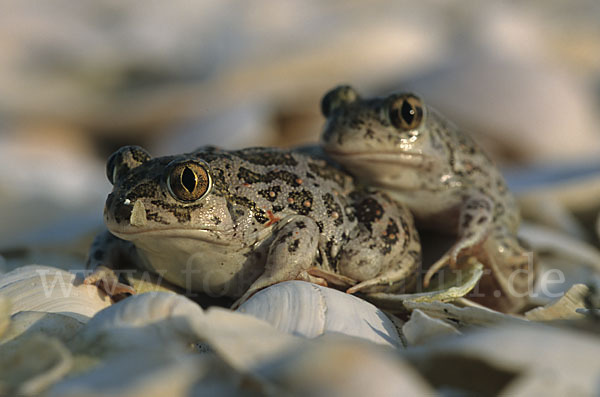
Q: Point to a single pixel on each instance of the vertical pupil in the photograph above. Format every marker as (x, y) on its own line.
(408, 112)
(188, 179)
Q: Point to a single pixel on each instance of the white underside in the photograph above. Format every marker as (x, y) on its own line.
(188, 259)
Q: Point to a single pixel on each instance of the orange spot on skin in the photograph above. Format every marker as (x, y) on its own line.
(299, 181)
(272, 218)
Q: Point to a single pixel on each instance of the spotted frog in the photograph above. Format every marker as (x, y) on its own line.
(230, 223)
(405, 148)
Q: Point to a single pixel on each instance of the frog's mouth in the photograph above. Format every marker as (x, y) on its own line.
(406, 159)
(218, 237)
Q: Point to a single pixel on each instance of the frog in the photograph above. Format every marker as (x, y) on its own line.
(404, 147)
(232, 222)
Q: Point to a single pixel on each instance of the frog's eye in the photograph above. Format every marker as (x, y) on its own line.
(123, 160)
(406, 112)
(189, 181)
(336, 98)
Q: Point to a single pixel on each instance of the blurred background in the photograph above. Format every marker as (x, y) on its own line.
(78, 79)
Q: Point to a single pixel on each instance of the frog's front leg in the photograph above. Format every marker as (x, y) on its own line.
(474, 226)
(106, 252)
(291, 254)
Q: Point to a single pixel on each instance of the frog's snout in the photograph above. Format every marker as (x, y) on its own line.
(126, 211)
(116, 209)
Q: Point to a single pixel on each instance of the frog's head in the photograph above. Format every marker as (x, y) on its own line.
(170, 196)
(381, 139)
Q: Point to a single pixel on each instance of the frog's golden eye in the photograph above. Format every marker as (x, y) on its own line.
(406, 112)
(337, 97)
(123, 160)
(189, 181)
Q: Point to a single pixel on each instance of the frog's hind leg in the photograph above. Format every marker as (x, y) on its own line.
(386, 253)
(291, 253)
(475, 224)
(403, 276)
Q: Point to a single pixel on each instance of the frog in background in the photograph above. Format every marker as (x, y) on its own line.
(403, 147)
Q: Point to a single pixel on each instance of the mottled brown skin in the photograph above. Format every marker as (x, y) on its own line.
(233, 222)
(400, 146)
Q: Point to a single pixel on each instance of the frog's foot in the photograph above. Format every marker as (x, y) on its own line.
(251, 291)
(109, 249)
(436, 267)
(303, 276)
(366, 284)
(107, 280)
(330, 278)
(512, 272)
(394, 279)
(449, 259)
(475, 224)
(389, 280)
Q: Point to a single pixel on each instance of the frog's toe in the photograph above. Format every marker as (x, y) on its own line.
(385, 283)
(436, 267)
(106, 279)
(360, 287)
(450, 259)
(236, 305)
(306, 276)
(259, 284)
(329, 278)
(379, 284)
(120, 289)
